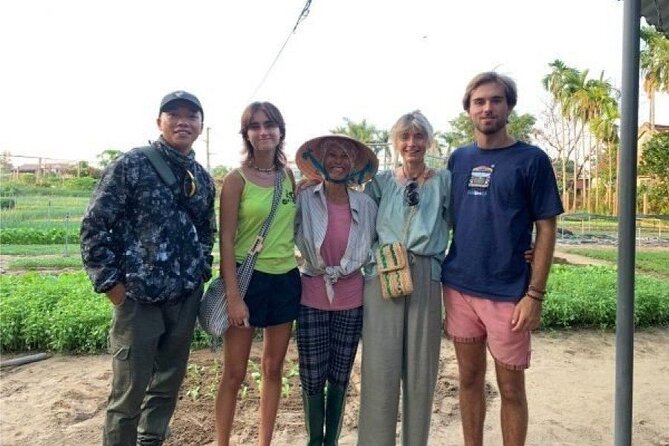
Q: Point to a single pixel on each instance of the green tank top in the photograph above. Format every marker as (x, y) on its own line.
(278, 253)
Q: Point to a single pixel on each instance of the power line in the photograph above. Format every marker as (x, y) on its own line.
(303, 15)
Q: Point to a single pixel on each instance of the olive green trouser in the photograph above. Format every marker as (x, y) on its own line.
(401, 340)
(150, 346)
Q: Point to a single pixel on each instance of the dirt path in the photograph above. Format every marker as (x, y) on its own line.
(561, 256)
(571, 385)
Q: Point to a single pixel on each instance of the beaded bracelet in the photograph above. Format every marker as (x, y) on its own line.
(538, 299)
(536, 290)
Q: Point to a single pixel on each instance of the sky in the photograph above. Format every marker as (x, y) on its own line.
(82, 76)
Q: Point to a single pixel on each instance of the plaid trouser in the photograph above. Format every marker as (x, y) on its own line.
(327, 342)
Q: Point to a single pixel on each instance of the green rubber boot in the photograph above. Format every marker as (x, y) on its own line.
(314, 406)
(334, 414)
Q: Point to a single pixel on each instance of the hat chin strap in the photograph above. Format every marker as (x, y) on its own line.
(342, 181)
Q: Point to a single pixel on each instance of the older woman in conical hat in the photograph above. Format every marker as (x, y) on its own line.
(334, 233)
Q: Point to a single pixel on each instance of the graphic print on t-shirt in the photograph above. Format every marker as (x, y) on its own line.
(479, 180)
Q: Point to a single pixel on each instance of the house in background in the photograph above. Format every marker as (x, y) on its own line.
(646, 132)
(45, 168)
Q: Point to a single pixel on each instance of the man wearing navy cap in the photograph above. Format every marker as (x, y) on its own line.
(147, 246)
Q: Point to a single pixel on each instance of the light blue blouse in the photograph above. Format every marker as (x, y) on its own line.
(423, 228)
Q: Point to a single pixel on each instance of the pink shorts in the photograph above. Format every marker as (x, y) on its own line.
(472, 319)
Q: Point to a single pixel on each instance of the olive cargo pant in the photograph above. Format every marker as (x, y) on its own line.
(150, 346)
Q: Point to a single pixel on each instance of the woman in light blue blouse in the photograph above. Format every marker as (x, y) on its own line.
(401, 337)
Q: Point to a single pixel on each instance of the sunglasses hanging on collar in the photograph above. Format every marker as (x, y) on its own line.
(411, 195)
(189, 186)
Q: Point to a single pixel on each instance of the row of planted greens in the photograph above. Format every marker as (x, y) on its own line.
(61, 312)
(41, 220)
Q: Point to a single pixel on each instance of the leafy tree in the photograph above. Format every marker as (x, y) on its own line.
(655, 161)
(461, 133)
(462, 129)
(521, 127)
(107, 156)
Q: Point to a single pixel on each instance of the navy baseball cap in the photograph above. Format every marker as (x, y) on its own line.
(180, 95)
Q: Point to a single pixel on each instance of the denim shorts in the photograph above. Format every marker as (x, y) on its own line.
(273, 299)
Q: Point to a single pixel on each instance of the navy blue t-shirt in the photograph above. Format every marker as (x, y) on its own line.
(496, 196)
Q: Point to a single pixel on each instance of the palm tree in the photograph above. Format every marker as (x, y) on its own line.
(575, 107)
(588, 109)
(654, 63)
(603, 109)
(609, 135)
(376, 139)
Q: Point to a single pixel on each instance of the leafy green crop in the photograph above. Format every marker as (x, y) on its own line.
(62, 313)
(586, 296)
(57, 313)
(34, 236)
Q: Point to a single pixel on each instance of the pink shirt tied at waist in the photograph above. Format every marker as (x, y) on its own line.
(335, 241)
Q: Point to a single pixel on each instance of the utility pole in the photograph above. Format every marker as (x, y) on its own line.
(206, 141)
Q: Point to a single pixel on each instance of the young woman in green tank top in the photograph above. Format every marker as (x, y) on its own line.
(273, 298)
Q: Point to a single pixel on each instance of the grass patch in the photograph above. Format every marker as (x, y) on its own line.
(39, 250)
(45, 262)
(650, 261)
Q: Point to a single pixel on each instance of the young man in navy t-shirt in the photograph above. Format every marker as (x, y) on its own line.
(501, 189)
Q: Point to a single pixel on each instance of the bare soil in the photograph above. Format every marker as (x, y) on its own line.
(570, 386)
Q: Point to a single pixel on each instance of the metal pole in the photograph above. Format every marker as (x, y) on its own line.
(627, 206)
(66, 252)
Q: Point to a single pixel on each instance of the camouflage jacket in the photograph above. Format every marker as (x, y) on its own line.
(136, 231)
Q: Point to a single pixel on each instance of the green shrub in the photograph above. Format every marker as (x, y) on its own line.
(8, 189)
(59, 188)
(81, 183)
(36, 236)
(7, 203)
(27, 179)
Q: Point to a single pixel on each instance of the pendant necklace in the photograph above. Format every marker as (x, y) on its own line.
(262, 170)
(414, 179)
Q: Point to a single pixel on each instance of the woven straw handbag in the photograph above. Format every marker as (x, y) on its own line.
(394, 271)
